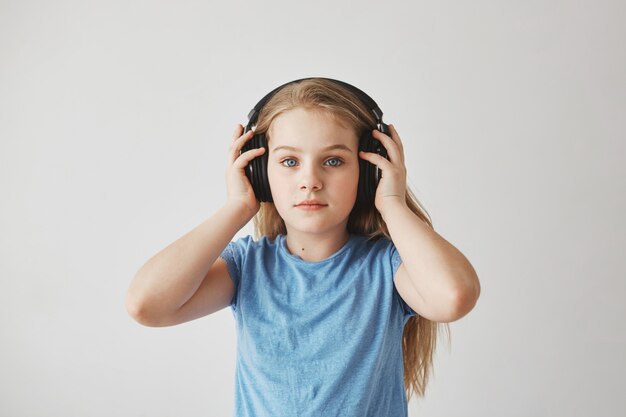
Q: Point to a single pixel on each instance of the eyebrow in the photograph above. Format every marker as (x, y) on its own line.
(328, 148)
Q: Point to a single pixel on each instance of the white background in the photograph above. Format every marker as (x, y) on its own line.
(115, 121)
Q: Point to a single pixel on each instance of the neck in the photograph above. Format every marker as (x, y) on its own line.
(314, 247)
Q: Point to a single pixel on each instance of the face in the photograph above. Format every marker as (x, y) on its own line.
(312, 157)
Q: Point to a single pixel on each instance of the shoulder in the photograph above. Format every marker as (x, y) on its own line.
(246, 245)
(244, 254)
(378, 243)
(248, 241)
(379, 247)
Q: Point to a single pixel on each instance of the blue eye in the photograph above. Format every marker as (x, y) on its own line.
(288, 159)
(338, 163)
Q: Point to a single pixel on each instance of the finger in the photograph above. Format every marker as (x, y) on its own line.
(396, 137)
(238, 131)
(237, 144)
(247, 156)
(390, 145)
(394, 133)
(376, 159)
(244, 136)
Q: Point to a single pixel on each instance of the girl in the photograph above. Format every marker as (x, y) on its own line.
(338, 299)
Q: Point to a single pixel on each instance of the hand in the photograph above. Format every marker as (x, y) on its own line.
(240, 190)
(392, 186)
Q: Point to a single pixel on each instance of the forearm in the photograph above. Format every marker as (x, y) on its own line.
(171, 277)
(439, 272)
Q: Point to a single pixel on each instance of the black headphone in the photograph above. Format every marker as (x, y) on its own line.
(369, 174)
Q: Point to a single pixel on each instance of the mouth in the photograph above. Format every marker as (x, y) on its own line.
(311, 206)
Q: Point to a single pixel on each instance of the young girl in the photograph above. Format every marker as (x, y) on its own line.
(338, 299)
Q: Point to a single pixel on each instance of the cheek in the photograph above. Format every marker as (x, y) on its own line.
(352, 180)
(271, 177)
(276, 181)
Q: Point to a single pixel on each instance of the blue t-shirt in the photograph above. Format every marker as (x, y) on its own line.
(319, 339)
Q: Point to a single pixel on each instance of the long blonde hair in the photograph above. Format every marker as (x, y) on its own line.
(420, 334)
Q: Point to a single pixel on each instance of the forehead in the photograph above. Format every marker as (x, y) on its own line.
(308, 130)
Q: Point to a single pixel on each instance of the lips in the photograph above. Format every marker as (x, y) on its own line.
(311, 207)
(311, 203)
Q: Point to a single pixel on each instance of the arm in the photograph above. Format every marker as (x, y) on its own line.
(445, 286)
(184, 281)
(171, 277)
(434, 279)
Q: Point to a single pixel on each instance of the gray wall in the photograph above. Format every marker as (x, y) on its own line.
(115, 121)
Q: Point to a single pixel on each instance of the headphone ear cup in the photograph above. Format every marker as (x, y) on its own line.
(361, 196)
(370, 174)
(256, 170)
(367, 174)
(265, 192)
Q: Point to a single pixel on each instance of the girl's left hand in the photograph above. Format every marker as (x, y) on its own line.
(392, 186)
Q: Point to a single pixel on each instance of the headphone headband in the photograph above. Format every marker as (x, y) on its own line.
(367, 100)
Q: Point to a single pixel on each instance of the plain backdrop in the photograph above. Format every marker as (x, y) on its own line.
(115, 122)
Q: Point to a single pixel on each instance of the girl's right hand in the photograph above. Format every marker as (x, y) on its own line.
(240, 190)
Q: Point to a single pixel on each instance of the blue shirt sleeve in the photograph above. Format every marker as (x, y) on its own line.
(396, 261)
(234, 256)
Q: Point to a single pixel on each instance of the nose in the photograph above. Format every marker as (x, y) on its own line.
(310, 179)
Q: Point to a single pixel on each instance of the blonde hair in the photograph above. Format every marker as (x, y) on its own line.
(419, 336)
